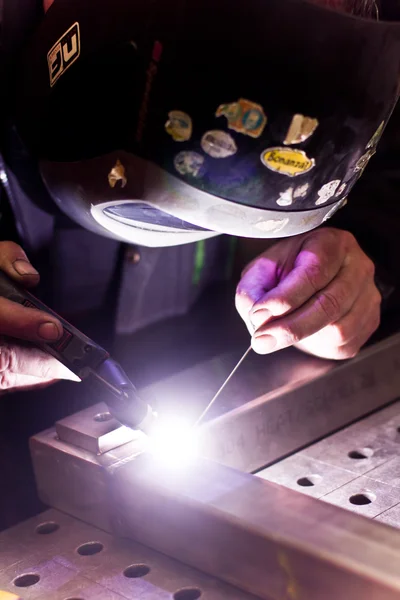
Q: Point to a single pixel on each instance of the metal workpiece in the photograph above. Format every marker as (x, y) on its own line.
(75, 480)
(311, 399)
(95, 429)
(260, 537)
(363, 446)
(357, 468)
(255, 535)
(365, 496)
(307, 475)
(56, 557)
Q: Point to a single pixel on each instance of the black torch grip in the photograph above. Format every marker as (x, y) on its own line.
(76, 351)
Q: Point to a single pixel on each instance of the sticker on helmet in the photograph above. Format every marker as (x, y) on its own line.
(301, 128)
(327, 191)
(218, 144)
(116, 174)
(272, 225)
(64, 53)
(363, 161)
(285, 198)
(179, 126)
(287, 161)
(244, 117)
(376, 137)
(189, 163)
(301, 191)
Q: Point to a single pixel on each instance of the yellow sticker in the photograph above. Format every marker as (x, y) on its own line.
(8, 596)
(301, 128)
(244, 117)
(287, 161)
(179, 126)
(116, 174)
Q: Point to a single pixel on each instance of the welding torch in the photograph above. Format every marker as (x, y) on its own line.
(89, 361)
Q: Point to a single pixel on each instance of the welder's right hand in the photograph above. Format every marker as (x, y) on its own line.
(21, 365)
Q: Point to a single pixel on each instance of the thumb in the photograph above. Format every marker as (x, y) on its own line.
(259, 278)
(15, 263)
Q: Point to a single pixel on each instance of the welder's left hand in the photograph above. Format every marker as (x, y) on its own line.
(315, 291)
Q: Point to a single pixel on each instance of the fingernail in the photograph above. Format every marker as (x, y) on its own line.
(264, 344)
(23, 267)
(49, 331)
(259, 317)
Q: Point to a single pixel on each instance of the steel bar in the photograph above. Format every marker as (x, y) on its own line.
(257, 536)
(312, 399)
(303, 411)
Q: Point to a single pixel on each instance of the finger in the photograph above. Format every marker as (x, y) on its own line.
(324, 308)
(317, 264)
(344, 339)
(15, 263)
(19, 365)
(256, 281)
(28, 323)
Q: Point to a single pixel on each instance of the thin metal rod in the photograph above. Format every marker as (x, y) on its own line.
(205, 411)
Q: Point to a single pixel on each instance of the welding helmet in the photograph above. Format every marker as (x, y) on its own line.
(162, 123)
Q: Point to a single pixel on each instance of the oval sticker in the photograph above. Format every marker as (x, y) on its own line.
(218, 144)
(287, 161)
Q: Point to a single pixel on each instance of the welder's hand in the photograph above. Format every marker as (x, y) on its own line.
(315, 291)
(23, 366)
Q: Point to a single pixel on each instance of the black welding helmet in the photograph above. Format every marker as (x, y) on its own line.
(162, 123)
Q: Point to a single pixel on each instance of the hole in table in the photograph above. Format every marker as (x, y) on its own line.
(90, 548)
(26, 580)
(47, 528)
(309, 481)
(362, 499)
(103, 417)
(361, 453)
(187, 594)
(135, 571)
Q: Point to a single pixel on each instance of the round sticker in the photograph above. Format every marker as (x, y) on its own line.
(218, 144)
(179, 126)
(327, 191)
(189, 163)
(287, 161)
